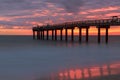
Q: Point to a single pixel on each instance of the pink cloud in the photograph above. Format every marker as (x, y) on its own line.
(92, 17)
(2, 27)
(5, 18)
(83, 12)
(113, 14)
(105, 9)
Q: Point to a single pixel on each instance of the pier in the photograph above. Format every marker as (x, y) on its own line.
(39, 31)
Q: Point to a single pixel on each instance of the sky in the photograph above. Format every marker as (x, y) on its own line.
(17, 17)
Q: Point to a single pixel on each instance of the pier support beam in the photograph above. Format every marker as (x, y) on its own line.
(52, 34)
(80, 34)
(43, 34)
(47, 34)
(38, 35)
(55, 34)
(72, 35)
(33, 34)
(106, 35)
(87, 35)
(98, 35)
(61, 35)
(66, 35)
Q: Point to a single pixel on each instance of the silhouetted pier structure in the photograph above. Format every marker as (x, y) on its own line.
(100, 24)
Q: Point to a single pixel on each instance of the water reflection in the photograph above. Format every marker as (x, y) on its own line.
(92, 41)
(104, 72)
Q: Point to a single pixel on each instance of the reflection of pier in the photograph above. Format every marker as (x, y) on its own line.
(105, 24)
(105, 72)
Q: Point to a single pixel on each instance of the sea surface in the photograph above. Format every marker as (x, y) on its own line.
(22, 58)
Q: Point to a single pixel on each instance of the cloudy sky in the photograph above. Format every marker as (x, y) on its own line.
(23, 14)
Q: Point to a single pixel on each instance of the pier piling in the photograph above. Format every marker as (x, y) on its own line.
(106, 35)
(38, 35)
(87, 35)
(43, 34)
(80, 34)
(72, 35)
(47, 34)
(66, 35)
(55, 34)
(52, 34)
(33, 34)
(61, 35)
(98, 35)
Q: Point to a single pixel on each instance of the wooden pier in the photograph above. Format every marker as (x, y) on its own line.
(100, 24)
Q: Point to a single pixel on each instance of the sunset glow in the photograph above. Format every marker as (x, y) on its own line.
(92, 31)
(18, 19)
(15, 32)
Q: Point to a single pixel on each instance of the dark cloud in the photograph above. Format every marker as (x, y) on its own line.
(75, 6)
(93, 4)
(8, 6)
(12, 1)
(69, 5)
(13, 23)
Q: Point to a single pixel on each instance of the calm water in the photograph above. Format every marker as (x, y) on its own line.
(22, 58)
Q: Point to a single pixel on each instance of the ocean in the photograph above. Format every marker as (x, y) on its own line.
(22, 58)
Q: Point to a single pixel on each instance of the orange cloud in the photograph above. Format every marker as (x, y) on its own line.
(83, 12)
(2, 27)
(5, 18)
(35, 23)
(112, 14)
(93, 17)
(105, 9)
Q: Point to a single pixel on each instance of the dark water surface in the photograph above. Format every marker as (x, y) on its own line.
(22, 58)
